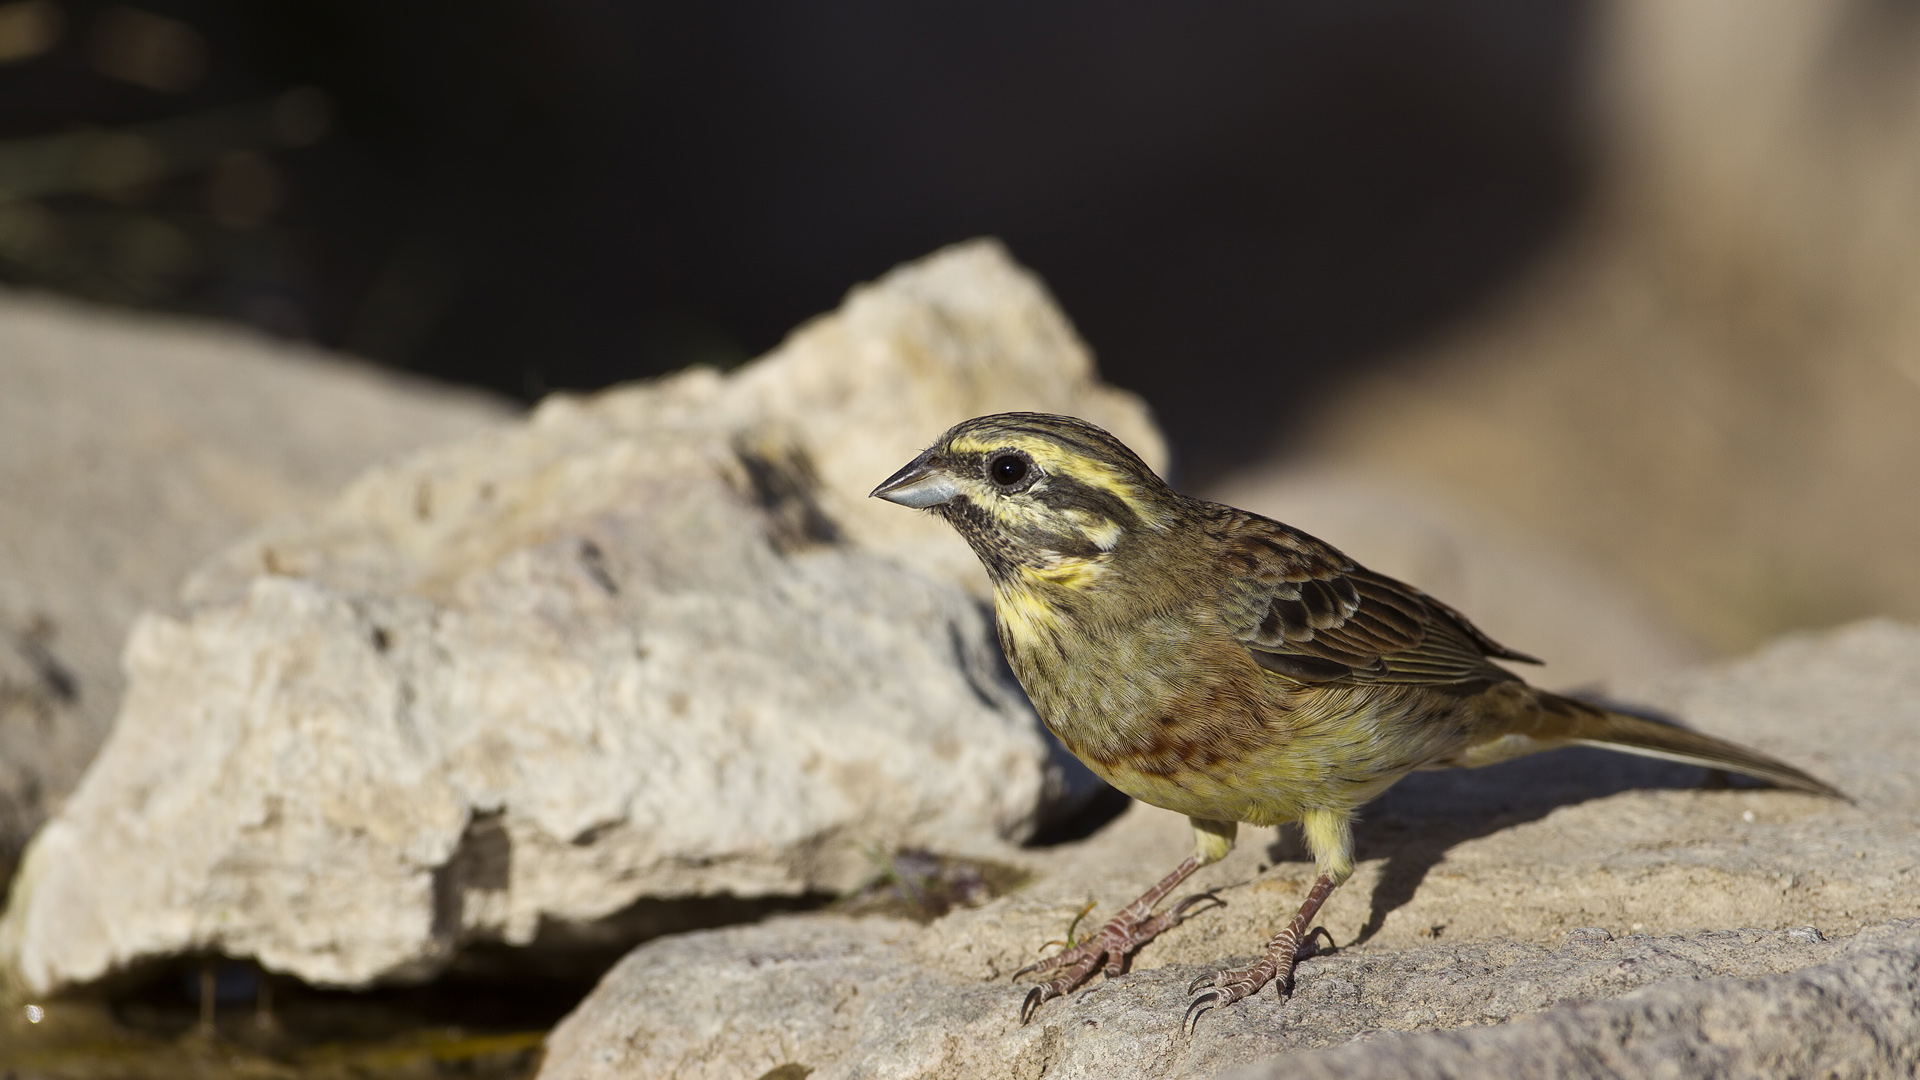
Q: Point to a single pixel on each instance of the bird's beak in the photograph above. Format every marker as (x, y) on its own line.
(920, 485)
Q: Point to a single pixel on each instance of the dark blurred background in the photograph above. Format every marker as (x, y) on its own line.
(1240, 203)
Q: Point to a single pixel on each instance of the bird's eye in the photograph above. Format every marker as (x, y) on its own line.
(1007, 470)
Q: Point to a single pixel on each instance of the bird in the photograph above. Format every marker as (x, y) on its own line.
(1234, 669)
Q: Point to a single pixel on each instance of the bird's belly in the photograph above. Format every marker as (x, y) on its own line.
(1325, 754)
(1224, 740)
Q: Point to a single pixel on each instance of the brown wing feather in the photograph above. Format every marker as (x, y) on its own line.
(1304, 610)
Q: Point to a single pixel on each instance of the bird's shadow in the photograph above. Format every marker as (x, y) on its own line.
(1418, 820)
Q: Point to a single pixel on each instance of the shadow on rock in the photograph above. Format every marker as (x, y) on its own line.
(1427, 814)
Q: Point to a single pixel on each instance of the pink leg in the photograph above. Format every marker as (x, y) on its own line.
(1232, 985)
(1133, 927)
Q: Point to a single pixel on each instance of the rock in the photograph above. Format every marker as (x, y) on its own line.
(846, 400)
(855, 1003)
(131, 448)
(1541, 598)
(1483, 896)
(650, 644)
(1857, 1016)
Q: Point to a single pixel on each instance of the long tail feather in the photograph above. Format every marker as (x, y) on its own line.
(1611, 730)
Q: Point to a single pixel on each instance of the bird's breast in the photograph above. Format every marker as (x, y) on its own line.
(1168, 708)
(1155, 691)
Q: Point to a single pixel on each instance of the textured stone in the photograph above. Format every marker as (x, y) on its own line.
(844, 400)
(649, 644)
(1483, 896)
(853, 1003)
(131, 448)
(1858, 1016)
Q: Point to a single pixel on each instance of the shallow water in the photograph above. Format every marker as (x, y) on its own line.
(266, 1027)
(486, 1018)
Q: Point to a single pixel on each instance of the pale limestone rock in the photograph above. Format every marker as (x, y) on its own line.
(1858, 1016)
(908, 1021)
(652, 643)
(131, 448)
(854, 394)
(1483, 896)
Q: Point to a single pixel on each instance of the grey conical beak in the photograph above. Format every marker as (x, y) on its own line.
(920, 485)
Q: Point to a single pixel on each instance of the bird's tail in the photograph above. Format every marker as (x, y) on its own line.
(1578, 722)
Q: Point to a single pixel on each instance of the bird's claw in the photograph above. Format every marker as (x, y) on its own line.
(1046, 963)
(1079, 963)
(1228, 987)
(1114, 942)
(1090, 949)
(1035, 998)
(1200, 1005)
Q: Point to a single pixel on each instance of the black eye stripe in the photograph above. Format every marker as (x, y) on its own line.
(1065, 493)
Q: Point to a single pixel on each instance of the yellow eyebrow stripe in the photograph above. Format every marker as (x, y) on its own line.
(1055, 459)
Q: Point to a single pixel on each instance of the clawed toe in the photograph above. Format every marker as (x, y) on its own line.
(1051, 989)
(1201, 1004)
(1227, 987)
(1049, 963)
(1275, 967)
(1132, 927)
(1079, 963)
(1032, 1005)
(1059, 987)
(1115, 941)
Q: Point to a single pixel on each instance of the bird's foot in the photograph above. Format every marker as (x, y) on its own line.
(1107, 949)
(1134, 926)
(1223, 988)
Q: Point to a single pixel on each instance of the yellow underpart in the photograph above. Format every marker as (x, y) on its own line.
(1251, 793)
(1025, 616)
(1213, 839)
(1329, 754)
(1330, 837)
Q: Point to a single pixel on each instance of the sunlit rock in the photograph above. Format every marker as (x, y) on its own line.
(650, 643)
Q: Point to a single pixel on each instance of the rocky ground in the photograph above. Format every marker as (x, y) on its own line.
(647, 669)
(1482, 897)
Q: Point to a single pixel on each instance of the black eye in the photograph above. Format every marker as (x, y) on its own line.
(1007, 469)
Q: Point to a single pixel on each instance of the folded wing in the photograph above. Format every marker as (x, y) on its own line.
(1305, 611)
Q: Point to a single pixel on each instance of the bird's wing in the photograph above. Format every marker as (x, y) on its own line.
(1304, 610)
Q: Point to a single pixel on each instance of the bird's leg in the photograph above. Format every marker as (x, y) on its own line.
(1134, 926)
(1277, 966)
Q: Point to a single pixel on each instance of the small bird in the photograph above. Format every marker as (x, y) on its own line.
(1230, 668)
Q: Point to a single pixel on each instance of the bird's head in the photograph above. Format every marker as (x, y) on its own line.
(1039, 497)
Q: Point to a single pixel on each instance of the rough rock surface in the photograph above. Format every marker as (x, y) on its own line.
(647, 644)
(1856, 1016)
(1482, 896)
(131, 448)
